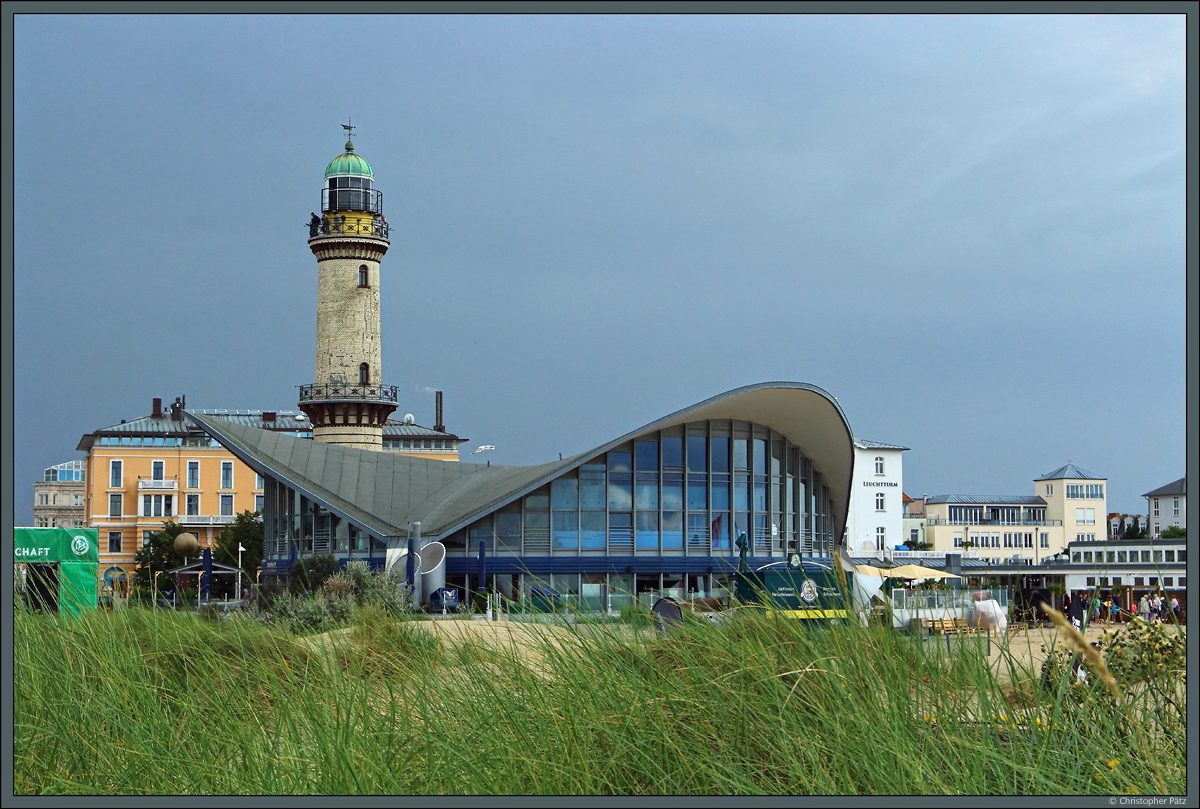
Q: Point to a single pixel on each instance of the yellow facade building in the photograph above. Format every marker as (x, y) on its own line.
(144, 472)
(1068, 505)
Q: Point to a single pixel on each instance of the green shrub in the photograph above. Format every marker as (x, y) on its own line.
(308, 573)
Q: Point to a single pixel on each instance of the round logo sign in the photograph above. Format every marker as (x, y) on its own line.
(808, 591)
(795, 560)
(79, 545)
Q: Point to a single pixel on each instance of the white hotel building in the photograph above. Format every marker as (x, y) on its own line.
(876, 518)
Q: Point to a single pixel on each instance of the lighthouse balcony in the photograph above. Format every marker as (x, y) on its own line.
(349, 224)
(349, 393)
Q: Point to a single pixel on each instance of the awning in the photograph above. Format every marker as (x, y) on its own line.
(918, 572)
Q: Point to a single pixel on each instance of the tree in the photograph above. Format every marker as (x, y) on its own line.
(158, 552)
(1174, 532)
(1132, 531)
(246, 529)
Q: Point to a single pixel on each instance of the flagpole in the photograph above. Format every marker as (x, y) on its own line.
(239, 573)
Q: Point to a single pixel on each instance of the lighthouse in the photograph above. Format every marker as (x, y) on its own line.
(347, 402)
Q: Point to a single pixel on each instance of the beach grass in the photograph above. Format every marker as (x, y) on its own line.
(141, 702)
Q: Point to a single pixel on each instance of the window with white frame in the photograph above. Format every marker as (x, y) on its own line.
(79, 499)
(258, 503)
(1044, 539)
(879, 501)
(114, 505)
(146, 537)
(258, 481)
(914, 535)
(193, 474)
(958, 540)
(1156, 507)
(1049, 489)
(226, 474)
(158, 505)
(879, 464)
(227, 505)
(156, 470)
(1175, 508)
(1074, 491)
(1093, 491)
(880, 538)
(114, 474)
(114, 541)
(192, 504)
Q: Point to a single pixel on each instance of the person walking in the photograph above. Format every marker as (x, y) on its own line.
(1114, 610)
(1144, 607)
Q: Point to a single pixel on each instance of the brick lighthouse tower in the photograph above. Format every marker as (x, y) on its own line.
(347, 402)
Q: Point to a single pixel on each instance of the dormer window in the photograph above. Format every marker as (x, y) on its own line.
(362, 276)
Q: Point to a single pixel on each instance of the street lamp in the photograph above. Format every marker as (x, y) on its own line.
(239, 573)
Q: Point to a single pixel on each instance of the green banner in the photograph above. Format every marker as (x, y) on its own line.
(802, 593)
(68, 557)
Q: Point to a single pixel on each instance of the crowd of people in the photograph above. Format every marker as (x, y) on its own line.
(1151, 607)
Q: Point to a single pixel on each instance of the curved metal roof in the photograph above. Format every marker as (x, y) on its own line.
(348, 163)
(383, 493)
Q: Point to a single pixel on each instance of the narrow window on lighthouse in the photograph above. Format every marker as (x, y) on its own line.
(362, 275)
(364, 374)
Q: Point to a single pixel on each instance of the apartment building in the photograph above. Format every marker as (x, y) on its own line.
(1166, 506)
(58, 496)
(143, 472)
(1068, 505)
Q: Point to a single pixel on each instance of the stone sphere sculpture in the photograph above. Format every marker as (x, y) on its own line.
(186, 544)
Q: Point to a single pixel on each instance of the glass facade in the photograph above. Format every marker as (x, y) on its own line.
(686, 491)
(657, 515)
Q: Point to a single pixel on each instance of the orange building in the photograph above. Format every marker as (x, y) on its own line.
(141, 473)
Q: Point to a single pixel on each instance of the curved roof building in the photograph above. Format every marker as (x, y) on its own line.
(657, 509)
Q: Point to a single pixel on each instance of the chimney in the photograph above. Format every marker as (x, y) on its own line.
(268, 417)
(441, 428)
(177, 410)
(156, 408)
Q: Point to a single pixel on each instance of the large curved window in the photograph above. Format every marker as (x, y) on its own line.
(351, 194)
(687, 491)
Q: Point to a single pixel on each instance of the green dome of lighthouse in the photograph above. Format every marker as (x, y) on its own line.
(348, 163)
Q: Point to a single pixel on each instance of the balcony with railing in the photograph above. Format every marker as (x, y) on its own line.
(990, 521)
(205, 519)
(158, 484)
(373, 227)
(339, 392)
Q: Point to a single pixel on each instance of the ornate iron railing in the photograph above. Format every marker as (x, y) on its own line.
(334, 392)
(342, 226)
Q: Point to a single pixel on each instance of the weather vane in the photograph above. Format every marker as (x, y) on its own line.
(349, 129)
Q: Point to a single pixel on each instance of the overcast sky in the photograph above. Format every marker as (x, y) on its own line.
(970, 230)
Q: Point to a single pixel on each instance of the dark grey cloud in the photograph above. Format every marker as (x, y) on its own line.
(969, 229)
